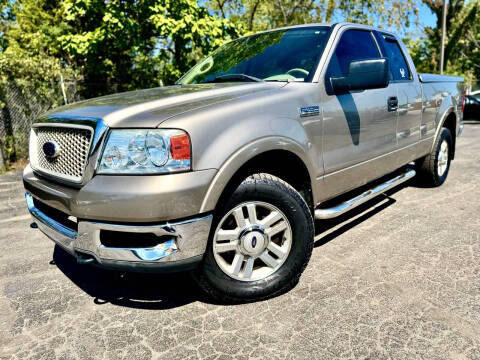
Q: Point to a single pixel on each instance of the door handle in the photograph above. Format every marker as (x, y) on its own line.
(392, 103)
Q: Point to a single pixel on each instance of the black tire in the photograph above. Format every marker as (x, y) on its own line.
(269, 189)
(427, 167)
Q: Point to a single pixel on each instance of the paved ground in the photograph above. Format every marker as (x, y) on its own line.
(400, 278)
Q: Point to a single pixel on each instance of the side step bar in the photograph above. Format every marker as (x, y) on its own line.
(362, 198)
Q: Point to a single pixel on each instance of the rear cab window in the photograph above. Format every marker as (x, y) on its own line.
(399, 70)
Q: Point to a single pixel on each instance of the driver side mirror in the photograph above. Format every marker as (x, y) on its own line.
(362, 75)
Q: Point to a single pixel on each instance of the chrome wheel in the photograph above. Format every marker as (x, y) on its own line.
(252, 241)
(442, 161)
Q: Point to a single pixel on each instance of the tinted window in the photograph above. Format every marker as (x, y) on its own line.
(472, 100)
(398, 65)
(279, 55)
(353, 45)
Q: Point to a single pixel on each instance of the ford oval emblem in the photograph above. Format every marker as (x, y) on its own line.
(254, 242)
(51, 149)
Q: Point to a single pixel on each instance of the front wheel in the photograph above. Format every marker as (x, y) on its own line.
(261, 242)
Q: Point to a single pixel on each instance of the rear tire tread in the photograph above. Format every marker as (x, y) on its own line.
(426, 167)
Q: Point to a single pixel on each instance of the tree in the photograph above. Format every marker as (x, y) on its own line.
(460, 16)
(6, 18)
(265, 14)
(186, 33)
(393, 14)
(462, 48)
(29, 65)
(111, 43)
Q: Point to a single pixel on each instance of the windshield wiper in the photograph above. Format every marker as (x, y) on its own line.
(234, 77)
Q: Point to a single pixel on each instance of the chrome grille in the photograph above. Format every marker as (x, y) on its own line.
(74, 145)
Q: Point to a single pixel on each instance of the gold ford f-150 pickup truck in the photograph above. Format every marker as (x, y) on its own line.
(224, 172)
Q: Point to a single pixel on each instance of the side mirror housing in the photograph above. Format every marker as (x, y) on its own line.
(363, 75)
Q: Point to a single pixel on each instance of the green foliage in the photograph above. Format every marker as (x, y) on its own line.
(265, 14)
(110, 43)
(187, 32)
(28, 71)
(30, 58)
(462, 46)
(420, 52)
(108, 46)
(123, 45)
(393, 14)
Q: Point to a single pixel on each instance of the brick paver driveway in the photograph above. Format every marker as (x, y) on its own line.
(399, 278)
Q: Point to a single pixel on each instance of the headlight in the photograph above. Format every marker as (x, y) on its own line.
(154, 151)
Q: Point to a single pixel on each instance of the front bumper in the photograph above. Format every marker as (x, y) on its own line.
(182, 244)
(126, 198)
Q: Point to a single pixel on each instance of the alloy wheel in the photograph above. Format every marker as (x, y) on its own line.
(252, 241)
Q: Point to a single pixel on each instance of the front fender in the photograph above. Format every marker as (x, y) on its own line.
(246, 153)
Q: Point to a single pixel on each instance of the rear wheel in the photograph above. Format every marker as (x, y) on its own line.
(433, 168)
(260, 243)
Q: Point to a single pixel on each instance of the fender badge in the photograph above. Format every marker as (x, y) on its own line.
(51, 149)
(309, 111)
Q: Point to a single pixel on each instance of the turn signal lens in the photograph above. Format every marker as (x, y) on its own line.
(180, 147)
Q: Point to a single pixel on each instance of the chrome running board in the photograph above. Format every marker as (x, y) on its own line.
(348, 205)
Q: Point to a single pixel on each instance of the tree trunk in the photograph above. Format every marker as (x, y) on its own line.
(7, 121)
(3, 164)
(330, 8)
(252, 15)
(221, 5)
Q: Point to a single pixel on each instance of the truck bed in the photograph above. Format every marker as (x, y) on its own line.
(435, 78)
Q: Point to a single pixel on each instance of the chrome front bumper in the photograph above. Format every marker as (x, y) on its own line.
(184, 245)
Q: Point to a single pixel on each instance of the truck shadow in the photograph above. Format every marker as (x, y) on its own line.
(352, 116)
(134, 290)
(162, 292)
(355, 217)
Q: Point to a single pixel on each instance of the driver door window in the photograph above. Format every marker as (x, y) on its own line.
(354, 45)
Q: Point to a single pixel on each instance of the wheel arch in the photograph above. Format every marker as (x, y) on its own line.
(448, 120)
(278, 156)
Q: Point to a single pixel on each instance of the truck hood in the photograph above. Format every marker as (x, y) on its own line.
(150, 107)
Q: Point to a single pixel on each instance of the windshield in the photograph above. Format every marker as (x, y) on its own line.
(281, 55)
